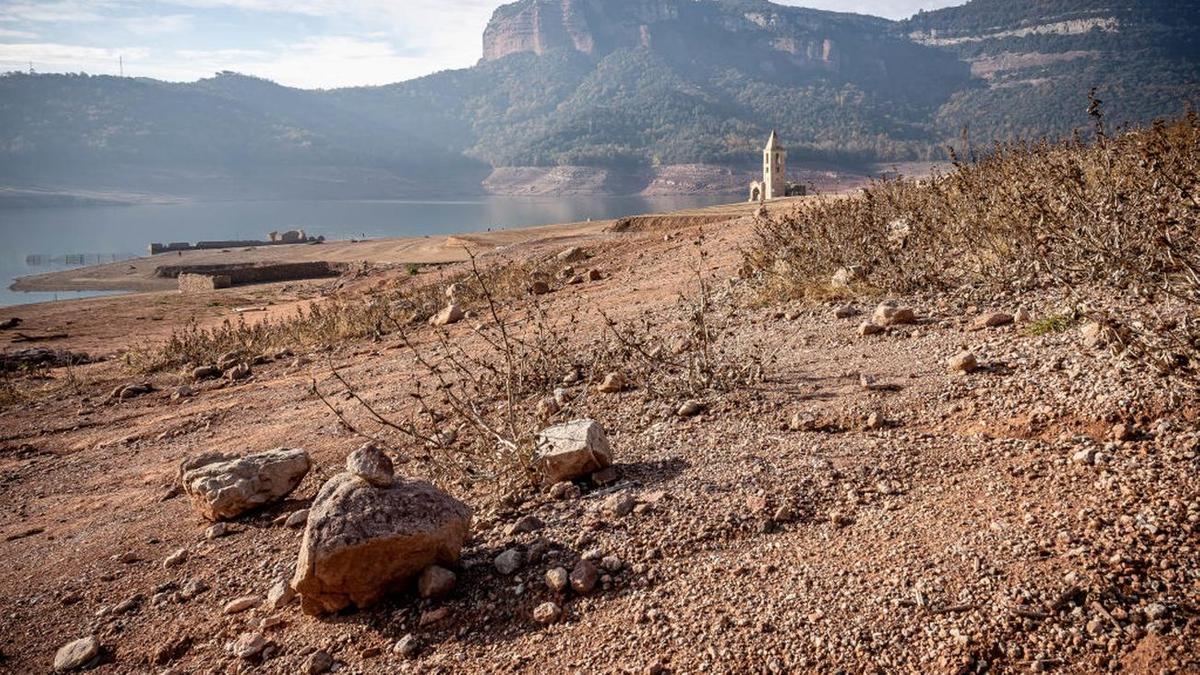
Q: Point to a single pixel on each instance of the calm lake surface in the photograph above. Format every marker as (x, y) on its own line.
(49, 239)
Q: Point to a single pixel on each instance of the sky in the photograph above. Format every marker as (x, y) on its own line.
(300, 43)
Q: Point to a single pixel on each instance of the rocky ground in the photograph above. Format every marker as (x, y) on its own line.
(860, 507)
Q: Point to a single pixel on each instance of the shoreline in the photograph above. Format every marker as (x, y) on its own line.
(137, 275)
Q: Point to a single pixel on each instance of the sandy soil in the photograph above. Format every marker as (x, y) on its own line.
(990, 522)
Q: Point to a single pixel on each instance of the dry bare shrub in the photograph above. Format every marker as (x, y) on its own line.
(481, 396)
(1121, 212)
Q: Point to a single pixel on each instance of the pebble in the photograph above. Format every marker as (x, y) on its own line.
(525, 525)
(565, 490)
(690, 409)
(77, 654)
(281, 595)
(408, 646)
(620, 505)
(964, 362)
(584, 577)
(176, 559)
(557, 579)
(318, 662)
(238, 605)
(217, 531)
(508, 562)
(249, 645)
(867, 328)
(547, 612)
(435, 582)
(297, 519)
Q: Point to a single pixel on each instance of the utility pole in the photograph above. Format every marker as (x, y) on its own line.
(31, 68)
(121, 64)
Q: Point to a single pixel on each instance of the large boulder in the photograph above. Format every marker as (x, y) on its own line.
(364, 542)
(571, 450)
(223, 487)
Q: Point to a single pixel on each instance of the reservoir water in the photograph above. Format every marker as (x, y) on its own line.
(38, 240)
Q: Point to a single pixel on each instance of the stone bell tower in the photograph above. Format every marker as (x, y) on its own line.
(774, 181)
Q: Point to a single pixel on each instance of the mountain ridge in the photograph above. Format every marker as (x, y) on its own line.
(626, 86)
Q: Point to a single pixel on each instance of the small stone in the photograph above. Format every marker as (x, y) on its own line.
(435, 582)
(372, 465)
(539, 288)
(604, 476)
(281, 595)
(584, 577)
(176, 559)
(803, 422)
(964, 362)
(875, 421)
(217, 531)
(889, 314)
(595, 275)
(450, 315)
(318, 662)
(839, 519)
(192, 588)
(783, 514)
(845, 312)
(557, 579)
(525, 525)
(239, 605)
(690, 409)
(1156, 611)
(206, 373)
(508, 562)
(128, 605)
(1123, 432)
(611, 563)
(565, 490)
(77, 654)
(249, 645)
(867, 329)
(408, 646)
(239, 372)
(547, 612)
(620, 505)
(433, 616)
(573, 254)
(613, 383)
(992, 320)
(297, 519)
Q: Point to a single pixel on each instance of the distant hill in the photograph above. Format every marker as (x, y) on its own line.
(624, 85)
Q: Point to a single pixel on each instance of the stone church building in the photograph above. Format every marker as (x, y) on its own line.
(774, 183)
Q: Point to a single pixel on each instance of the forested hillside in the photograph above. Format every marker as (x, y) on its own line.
(625, 86)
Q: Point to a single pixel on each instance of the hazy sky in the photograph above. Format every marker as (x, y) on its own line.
(302, 43)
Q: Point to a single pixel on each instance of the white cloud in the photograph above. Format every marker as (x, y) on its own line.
(159, 24)
(65, 58)
(319, 62)
(9, 34)
(58, 11)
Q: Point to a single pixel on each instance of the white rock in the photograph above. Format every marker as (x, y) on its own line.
(77, 654)
(572, 450)
(222, 488)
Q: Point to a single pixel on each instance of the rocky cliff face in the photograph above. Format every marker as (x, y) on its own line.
(754, 29)
(587, 26)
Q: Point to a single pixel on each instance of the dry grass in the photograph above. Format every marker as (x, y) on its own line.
(1119, 213)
